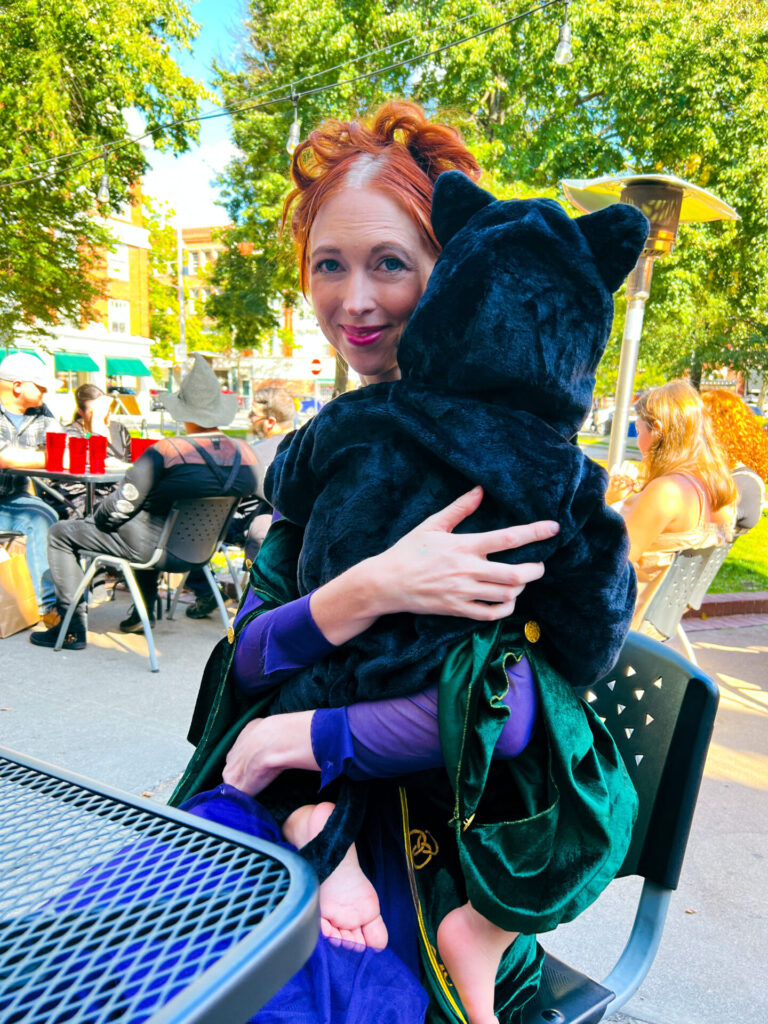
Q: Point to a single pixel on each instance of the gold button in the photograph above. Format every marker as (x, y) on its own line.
(231, 635)
(532, 631)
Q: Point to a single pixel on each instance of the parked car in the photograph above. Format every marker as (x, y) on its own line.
(600, 421)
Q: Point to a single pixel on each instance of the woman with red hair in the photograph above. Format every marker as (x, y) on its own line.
(360, 217)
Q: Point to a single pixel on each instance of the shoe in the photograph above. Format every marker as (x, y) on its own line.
(133, 623)
(202, 607)
(73, 641)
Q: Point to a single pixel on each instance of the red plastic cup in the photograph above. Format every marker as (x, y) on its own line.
(97, 453)
(78, 452)
(55, 445)
(139, 445)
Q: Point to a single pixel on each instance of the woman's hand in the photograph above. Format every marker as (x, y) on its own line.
(432, 571)
(619, 488)
(265, 747)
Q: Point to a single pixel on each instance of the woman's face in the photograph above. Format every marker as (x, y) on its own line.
(646, 435)
(368, 268)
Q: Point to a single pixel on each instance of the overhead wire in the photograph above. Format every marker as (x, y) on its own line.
(263, 100)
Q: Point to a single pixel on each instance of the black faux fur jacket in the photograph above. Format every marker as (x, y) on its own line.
(498, 364)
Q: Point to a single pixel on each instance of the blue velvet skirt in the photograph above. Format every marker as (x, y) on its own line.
(342, 983)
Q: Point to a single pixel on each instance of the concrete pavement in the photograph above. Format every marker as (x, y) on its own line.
(102, 713)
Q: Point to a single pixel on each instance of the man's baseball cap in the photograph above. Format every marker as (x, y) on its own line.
(23, 367)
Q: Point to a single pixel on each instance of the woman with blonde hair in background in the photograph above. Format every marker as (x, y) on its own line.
(687, 497)
(745, 444)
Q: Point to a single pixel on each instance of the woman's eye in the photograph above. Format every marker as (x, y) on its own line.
(327, 266)
(392, 263)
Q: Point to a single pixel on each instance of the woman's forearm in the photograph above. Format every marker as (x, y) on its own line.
(348, 605)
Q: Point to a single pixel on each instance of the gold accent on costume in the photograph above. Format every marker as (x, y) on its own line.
(423, 845)
(433, 955)
(248, 563)
(437, 968)
(468, 821)
(532, 631)
(230, 634)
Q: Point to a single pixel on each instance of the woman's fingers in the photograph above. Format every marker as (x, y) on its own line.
(513, 536)
(448, 518)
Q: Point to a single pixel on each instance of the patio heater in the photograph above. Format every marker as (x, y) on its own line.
(666, 201)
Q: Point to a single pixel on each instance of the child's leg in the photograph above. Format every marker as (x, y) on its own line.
(471, 949)
(349, 906)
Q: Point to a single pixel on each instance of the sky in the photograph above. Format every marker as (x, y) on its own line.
(186, 182)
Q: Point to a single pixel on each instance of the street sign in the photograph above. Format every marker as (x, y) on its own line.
(316, 367)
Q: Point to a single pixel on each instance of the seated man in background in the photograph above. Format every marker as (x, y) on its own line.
(271, 417)
(24, 422)
(128, 523)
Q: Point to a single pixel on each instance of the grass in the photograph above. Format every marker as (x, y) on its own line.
(746, 567)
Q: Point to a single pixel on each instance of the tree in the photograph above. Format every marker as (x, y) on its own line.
(655, 86)
(164, 294)
(68, 72)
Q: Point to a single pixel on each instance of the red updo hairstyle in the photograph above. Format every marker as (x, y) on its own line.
(403, 153)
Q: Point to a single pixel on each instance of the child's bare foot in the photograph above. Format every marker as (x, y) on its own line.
(349, 906)
(471, 949)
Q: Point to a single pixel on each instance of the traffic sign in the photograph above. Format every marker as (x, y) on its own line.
(316, 367)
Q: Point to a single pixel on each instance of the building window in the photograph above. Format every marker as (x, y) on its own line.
(194, 260)
(117, 263)
(119, 316)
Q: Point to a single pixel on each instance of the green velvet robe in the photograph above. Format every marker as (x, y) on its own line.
(530, 841)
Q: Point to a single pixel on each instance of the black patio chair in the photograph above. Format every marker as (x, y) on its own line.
(685, 585)
(660, 710)
(191, 534)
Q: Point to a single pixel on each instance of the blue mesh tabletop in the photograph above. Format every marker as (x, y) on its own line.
(112, 910)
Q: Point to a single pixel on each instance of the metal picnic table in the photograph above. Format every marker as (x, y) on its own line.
(91, 480)
(115, 909)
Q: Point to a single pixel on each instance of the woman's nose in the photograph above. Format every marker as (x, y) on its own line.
(358, 295)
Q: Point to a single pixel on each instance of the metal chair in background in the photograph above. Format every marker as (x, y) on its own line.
(191, 534)
(660, 710)
(685, 585)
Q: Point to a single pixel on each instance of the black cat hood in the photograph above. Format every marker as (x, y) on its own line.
(519, 306)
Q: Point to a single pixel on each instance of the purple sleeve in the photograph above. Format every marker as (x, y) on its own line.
(388, 738)
(276, 644)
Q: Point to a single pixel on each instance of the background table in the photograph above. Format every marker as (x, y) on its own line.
(91, 480)
(115, 910)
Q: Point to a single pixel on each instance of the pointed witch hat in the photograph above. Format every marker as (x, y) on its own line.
(199, 399)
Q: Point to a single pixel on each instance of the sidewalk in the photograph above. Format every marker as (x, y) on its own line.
(102, 713)
(709, 969)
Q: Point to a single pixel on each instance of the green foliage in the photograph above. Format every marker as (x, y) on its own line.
(248, 279)
(746, 567)
(655, 86)
(68, 71)
(164, 294)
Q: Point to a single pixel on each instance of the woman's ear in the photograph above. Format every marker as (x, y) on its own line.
(455, 200)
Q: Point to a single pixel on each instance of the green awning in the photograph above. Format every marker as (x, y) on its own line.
(26, 351)
(127, 368)
(74, 362)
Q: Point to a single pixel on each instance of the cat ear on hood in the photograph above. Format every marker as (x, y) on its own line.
(456, 198)
(616, 236)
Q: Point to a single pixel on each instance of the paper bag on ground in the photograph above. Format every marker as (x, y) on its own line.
(18, 604)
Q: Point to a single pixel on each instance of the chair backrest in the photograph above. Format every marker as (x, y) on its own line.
(684, 586)
(660, 710)
(196, 527)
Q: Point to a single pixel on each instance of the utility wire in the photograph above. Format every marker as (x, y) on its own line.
(290, 97)
(233, 107)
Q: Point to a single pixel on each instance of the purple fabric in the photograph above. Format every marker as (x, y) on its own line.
(388, 738)
(276, 644)
(342, 983)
